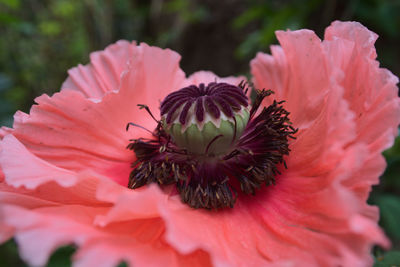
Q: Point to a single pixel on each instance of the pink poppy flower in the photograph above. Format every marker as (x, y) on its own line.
(65, 168)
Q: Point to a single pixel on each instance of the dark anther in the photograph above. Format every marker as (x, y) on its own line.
(136, 125)
(141, 106)
(211, 142)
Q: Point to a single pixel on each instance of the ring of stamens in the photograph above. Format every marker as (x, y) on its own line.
(210, 181)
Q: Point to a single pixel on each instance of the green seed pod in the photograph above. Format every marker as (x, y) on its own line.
(210, 137)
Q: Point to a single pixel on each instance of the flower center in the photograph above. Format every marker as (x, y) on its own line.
(205, 120)
(211, 145)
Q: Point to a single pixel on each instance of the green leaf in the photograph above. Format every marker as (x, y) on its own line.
(9, 255)
(394, 150)
(14, 4)
(391, 178)
(50, 28)
(390, 213)
(65, 8)
(123, 264)
(391, 258)
(7, 19)
(250, 15)
(61, 257)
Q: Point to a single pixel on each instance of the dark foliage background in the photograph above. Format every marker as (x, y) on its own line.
(41, 40)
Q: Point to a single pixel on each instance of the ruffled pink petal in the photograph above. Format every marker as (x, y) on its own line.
(309, 219)
(68, 126)
(299, 73)
(372, 94)
(59, 213)
(309, 80)
(6, 233)
(38, 169)
(104, 71)
(335, 131)
(271, 71)
(371, 91)
(143, 203)
(4, 131)
(208, 77)
(138, 242)
(104, 254)
(44, 184)
(333, 128)
(34, 252)
(368, 175)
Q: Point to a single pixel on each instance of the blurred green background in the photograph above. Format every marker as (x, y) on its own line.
(41, 40)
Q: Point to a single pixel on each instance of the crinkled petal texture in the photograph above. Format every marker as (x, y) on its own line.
(64, 166)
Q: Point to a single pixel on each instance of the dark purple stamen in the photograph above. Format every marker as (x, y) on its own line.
(141, 106)
(207, 180)
(137, 125)
(211, 142)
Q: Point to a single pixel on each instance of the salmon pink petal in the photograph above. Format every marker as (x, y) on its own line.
(307, 70)
(104, 72)
(372, 168)
(58, 216)
(277, 229)
(208, 77)
(372, 94)
(68, 126)
(39, 169)
(137, 242)
(4, 131)
(44, 184)
(358, 96)
(299, 73)
(271, 71)
(144, 203)
(333, 127)
(6, 233)
(38, 253)
(104, 254)
(371, 91)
